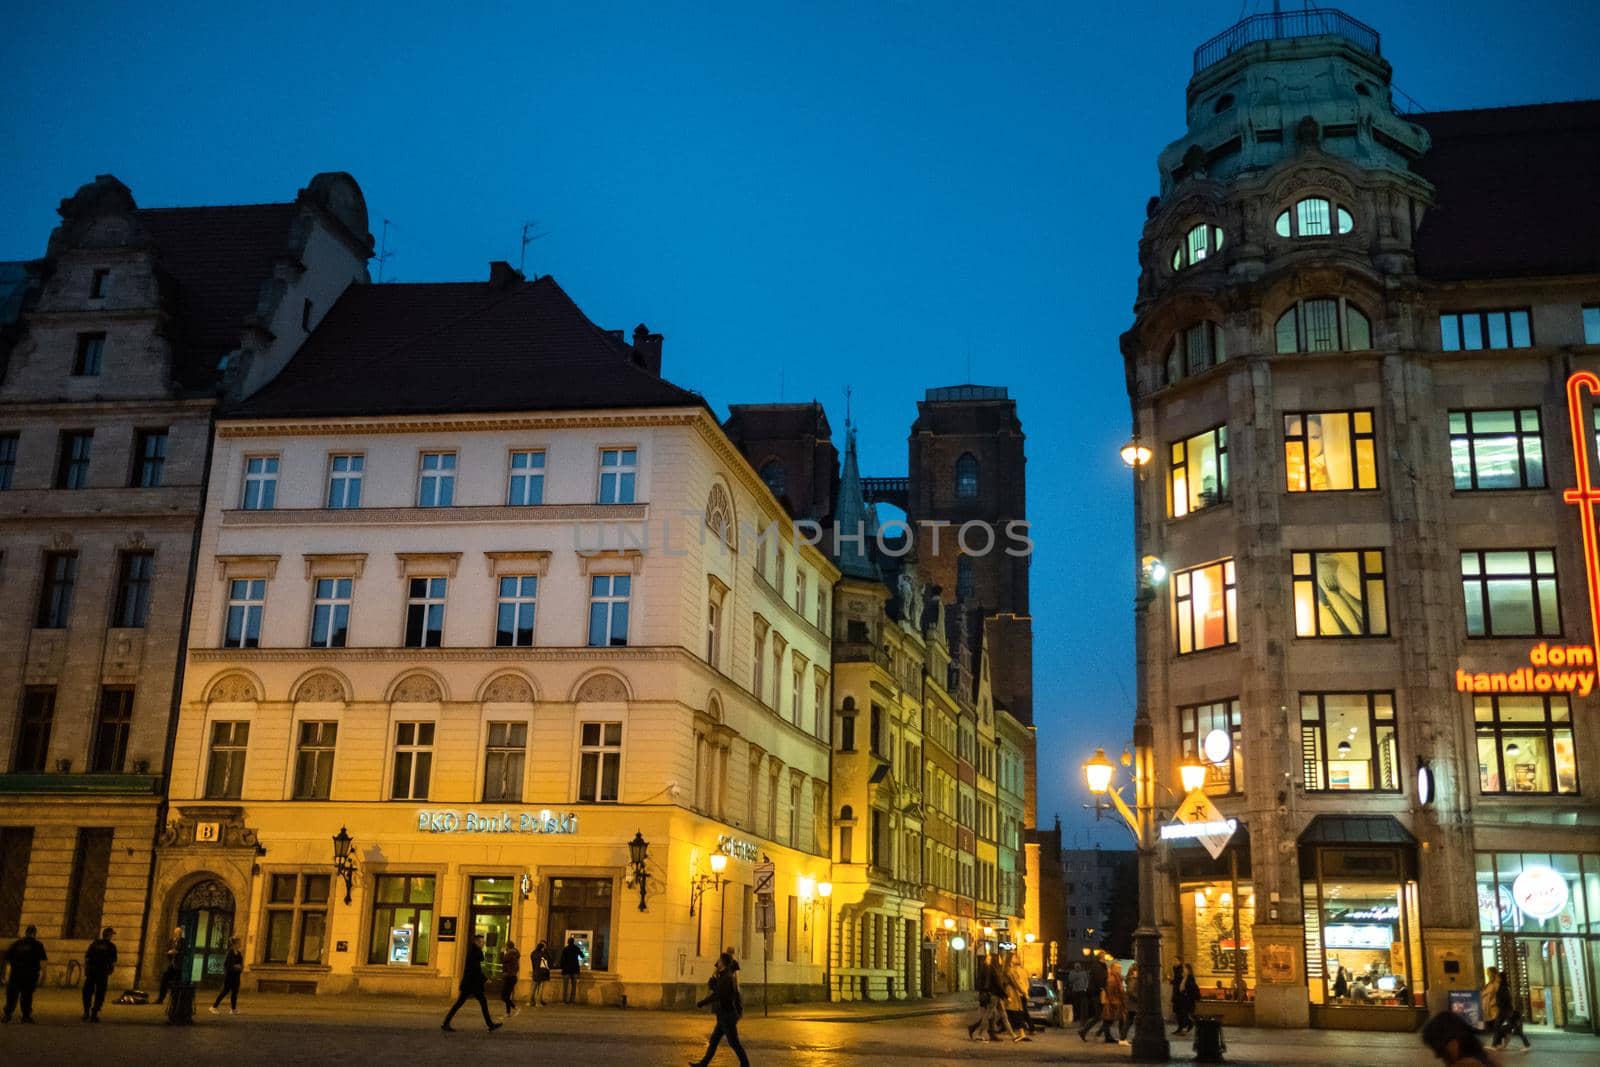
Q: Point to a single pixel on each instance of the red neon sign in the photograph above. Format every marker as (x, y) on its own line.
(1585, 494)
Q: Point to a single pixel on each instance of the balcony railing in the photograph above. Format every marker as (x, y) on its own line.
(1283, 26)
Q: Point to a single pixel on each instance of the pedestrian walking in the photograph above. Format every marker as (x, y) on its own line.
(571, 966)
(1454, 1042)
(1177, 1000)
(25, 958)
(172, 976)
(1113, 1003)
(472, 986)
(1078, 989)
(1093, 996)
(1016, 996)
(725, 1000)
(981, 985)
(1508, 1018)
(99, 960)
(1491, 990)
(510, 965)
(232, 974)
(539, 967)
(1191, 994)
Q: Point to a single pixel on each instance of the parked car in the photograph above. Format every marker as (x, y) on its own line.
(1043, 1005)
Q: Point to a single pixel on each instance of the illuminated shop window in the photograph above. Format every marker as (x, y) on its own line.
(1525, 744)
(1205, 603)
(1511, 593)
(1339, 594)
(1497, 449)
(1198, 472)
(1348, 743)
(1329, 451)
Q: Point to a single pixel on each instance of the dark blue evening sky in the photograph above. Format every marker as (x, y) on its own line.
(802, 198)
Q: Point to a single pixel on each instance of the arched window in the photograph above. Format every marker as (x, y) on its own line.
(719, 514)
(1323, 325)
(1195, 349)
(1314, 217)
(967, 476)
(772, 473)
(1201, 241)
(1224, 102)
(963, 579)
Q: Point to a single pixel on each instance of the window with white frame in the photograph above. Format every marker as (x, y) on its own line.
(608, 610)
(425, 612)
(794, 815)
(313, 760)
(599, 761)
(260, 483)
(436, 480)
(344, 480)
(526, 485)
(619, 467)
(795, 700)
(413, 760)
(714, 625)
(516, 607)
(819, 705)
(330, 612)
(246, 598)
(230, 741)
(504, 756)
(799, 589)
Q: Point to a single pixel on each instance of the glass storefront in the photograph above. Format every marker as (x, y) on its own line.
(1362, 935)
(1216, 918)
(491, 917)
(1537, 912)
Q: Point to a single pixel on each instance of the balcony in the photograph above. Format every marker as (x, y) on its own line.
(1285, 26)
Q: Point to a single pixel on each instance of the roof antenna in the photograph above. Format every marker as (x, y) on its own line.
(528, 237)
(847, 409)
(383, 251)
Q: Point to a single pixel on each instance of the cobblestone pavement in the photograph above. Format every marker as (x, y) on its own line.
(285, 1030)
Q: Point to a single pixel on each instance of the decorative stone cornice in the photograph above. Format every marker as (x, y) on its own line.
(250, 566)
(437, 655)
(610, 561)
(451, 516)
(528, 562)
(343, 427)
(427, 563)
(335, 564)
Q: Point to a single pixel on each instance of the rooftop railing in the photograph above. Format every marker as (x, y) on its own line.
(1283, 26)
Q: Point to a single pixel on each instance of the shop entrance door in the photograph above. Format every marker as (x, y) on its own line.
(1552, 981)
(491, 917)
(206, 916)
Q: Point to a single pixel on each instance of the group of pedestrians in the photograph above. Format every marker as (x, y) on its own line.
(25, 961)
(474, 983)
(1107, 996)
(1002, 991)
(1501, 1015)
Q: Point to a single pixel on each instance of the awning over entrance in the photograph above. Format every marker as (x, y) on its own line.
(1356, 830)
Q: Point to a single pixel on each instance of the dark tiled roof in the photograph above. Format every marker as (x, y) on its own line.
(1516, 190)
(438, 348)
(1356, 830)
(218, 257)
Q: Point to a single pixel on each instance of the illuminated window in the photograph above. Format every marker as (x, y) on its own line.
(1196, 723)
(1323, 325)
(1591, 325)
(1525, 744)
(1327, 451)
(1198, 474)
(1511, 593)
(1206, 605)
(1471, 331)
(1195, 349)
(1497, 449)
(1339, 594)
(1314, 217)
(1199, 243)
(967, 476)
(1348, 742)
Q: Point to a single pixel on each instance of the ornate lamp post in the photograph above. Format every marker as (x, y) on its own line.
(639, 875)
(699, 883)
(344, 860)
(825, 891)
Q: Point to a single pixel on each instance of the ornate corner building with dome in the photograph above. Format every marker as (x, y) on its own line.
(1355, 329)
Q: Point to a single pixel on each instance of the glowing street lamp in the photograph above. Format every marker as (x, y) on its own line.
(1192, 774)
(1098, 772)
(1136, 453)
(825, 891)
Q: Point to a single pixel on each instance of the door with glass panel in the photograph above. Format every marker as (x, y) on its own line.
(491, 917)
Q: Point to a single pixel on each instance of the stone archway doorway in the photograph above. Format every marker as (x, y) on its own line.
(206, 915)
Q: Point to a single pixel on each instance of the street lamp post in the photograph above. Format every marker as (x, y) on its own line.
(825, 891)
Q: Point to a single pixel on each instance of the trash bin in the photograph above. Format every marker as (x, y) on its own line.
(1208, 1043)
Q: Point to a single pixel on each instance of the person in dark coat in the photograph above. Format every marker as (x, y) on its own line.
(1508, 1017)
(725, 1000)
(172, 977)
(1092, 996)
(99, 960)
(1178, 1012)
(26, 958)
(472, 986)
(1191, 994)
(571, 966)
(510, 967)
(539, 965)
(232, 974)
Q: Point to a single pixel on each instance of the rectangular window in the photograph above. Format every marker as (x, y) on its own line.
(618, 468)
(313, 760)
(1206, 605)
(33, 732)
(1329, 451)
(55, 597)
(516, 609)
(791, 937)
(608, 610)
(246, 598)
(225, 769)
(402, 920)
(600, 761)
(425, 612)
(112, 723)
(1204, 729)
(1348, 742)
(413, 760)
(1511, 593)
(1198, 475)
(714, 628)
(503, 761)
(436, 480)
(296, 921)
(1591, 325)
(260, 483)
(1497, 449)
(16, 851)
(86, 894)
(794, 815)
(330, 612)
(72, 464)
(150, 459)
(344, 480)
(526, 485)
(1340, 594)
(89, 354)
(580, 910)
(98, 283)
(1525, 744)
(1471, 331)
(8, 465)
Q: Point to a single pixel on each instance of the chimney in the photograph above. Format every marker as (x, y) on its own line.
(502, 275)
(647, 349)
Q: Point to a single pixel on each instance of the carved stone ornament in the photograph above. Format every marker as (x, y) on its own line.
(1313, 179)
(60, 541)
(136, 540)
(232, 689)
(232, 831)
(603, 688)
(321, 688)
(508, 689)
(417, 689)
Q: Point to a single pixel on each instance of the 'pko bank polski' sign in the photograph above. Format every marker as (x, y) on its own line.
(506, 822)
